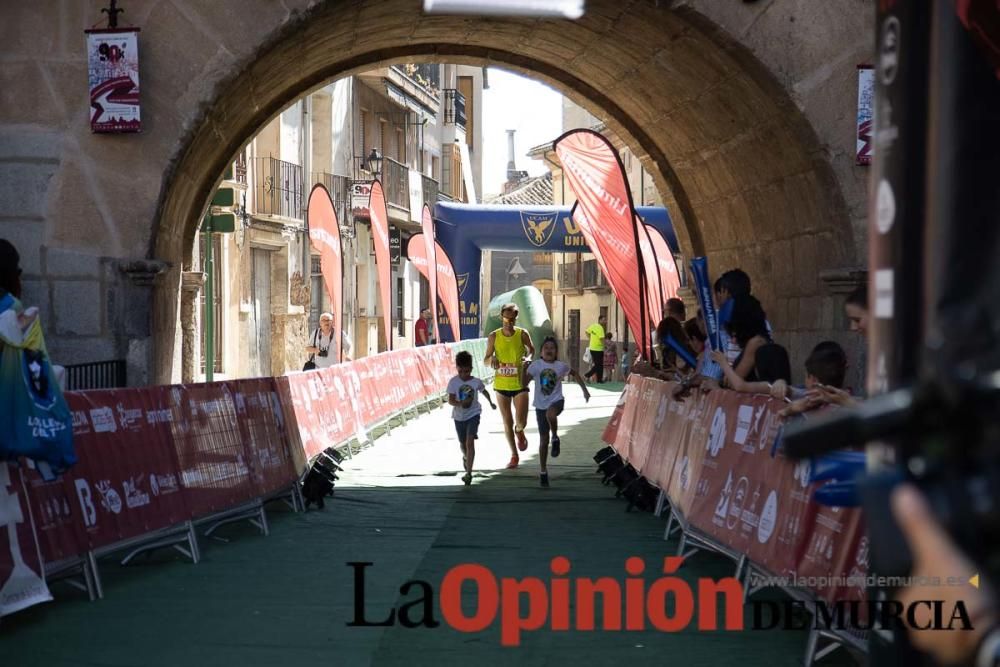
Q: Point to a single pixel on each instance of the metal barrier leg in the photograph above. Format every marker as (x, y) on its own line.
(670, 526)
(192, 538)
(813, 640)
(93, 577)
(661, 500)
(740, 564)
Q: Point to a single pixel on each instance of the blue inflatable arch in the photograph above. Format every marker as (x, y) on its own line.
(465, 230)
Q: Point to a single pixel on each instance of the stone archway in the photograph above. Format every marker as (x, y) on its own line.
(746, 176)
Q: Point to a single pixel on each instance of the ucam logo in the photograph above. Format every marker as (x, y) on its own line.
(538, 227)
(103, 420)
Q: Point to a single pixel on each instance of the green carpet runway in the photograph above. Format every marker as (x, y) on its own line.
(286, 599)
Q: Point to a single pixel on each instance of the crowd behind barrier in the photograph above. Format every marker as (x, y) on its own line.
(156, 461)
(716, 457)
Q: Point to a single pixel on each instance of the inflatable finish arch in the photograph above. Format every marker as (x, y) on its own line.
(465, 230)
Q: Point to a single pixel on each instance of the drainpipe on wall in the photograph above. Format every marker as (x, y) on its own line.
(209, 323)
(306, 135)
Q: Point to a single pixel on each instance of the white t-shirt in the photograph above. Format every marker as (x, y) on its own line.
(548, 381)
(462, 389)
(324, 343)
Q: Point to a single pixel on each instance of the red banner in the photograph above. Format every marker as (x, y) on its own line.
(670, 280)
(712, 455)
(427, 226)
(444, 278)
(606, 216)
(324, 232)
(380, 236)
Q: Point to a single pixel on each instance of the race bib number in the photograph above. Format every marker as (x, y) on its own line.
(507, 370)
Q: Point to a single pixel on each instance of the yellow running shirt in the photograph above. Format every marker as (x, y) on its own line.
(596, 332)
(509, 352)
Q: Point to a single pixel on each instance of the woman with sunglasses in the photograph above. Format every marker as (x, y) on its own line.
(507, 349)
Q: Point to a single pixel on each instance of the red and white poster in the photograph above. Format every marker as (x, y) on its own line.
(379, 215)
(324, 232)
(427, 226)
(866, 115)
(113, 77)
(606, 217)
(22, 580)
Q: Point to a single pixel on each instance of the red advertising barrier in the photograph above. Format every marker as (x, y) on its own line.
(713, 454)
(155, 457)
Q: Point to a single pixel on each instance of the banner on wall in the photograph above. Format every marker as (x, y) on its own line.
(606, 216)
(866, 115)
(379, 215)
(427, 227)
(444, 277)
(324, 232)
(361, 193)
(113, 78)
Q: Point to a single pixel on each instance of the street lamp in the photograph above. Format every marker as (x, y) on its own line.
(375, 163)
(515, 269)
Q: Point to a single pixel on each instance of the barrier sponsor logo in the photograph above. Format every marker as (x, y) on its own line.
(110, 500)
(134, 495)
(86, 498)
(717, 435)
(744, 418)
(765, 527)
(80, 424)
(162, 416)
(684, 475)
(129, 418)
(103, 420)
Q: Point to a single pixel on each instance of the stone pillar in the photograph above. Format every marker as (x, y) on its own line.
(191, 286)
(133, 313)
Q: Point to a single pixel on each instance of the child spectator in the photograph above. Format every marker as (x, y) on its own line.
(548, 373)
(463, 395)
(610, 357)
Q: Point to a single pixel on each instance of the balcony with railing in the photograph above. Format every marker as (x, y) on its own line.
(430, 190)
(278, 188)
(427, 76)
(396, 181)
(340, 191)
(579, 276)
(454, 107)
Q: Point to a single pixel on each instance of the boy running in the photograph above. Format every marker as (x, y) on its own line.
(548, 373)
(463, 395)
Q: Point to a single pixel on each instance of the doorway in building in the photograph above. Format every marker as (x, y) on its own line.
(260, 313)
(573, 340)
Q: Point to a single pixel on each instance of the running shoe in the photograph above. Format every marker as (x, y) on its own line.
(513, 462)
(555, 446)
(543, 478)
(522, 440)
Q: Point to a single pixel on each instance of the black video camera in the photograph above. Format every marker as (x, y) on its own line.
(322, 352)
(948, 436)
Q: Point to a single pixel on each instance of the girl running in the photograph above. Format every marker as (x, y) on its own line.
(548, 373)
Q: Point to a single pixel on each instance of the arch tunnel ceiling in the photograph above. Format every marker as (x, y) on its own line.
(739, 167)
